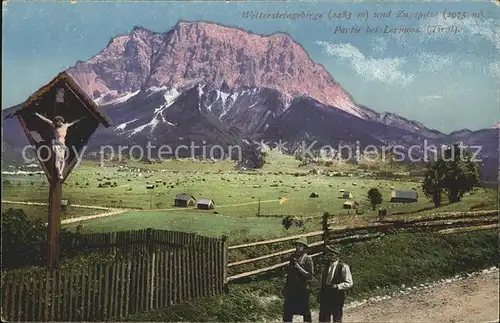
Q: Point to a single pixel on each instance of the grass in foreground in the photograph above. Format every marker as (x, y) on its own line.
(378, 266)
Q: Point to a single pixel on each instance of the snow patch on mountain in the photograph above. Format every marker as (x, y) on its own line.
(139, 129)
(223, 96)
(155, 89)
(170, 96)
(200, 93)
(225, 108)
(122, 126)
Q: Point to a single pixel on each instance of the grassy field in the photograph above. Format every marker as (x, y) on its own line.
(209, 224)
(282, 185)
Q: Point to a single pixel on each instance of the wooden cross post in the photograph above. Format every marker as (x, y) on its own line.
(55, 196)
(54, 223)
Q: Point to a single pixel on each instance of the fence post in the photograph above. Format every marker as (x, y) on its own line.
(149, 240)
(150, 266)
(325, 229)
(225, 263)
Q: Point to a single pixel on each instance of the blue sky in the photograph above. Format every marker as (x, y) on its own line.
(446, 81)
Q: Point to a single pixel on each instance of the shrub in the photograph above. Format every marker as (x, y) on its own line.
(24, 240)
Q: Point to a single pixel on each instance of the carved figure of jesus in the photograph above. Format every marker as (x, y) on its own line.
(59, 142)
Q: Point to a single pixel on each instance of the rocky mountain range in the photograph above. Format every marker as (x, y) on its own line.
(218, 85)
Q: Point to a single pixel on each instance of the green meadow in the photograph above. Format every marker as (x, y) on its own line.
(281, 188)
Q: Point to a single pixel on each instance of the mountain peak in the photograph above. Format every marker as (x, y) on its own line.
(140, 29)
(215, 54)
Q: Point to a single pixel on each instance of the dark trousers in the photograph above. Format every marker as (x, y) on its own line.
(326, 313)
(288, 316)
(331, 305)
(296, 303)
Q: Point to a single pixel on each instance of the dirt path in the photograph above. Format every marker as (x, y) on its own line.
(109, 211)
(72, 205)
(95, 216)
(472, 299)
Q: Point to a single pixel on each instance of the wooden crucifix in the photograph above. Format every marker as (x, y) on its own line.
(64, 117)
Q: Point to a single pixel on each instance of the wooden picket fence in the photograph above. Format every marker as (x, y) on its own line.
(134, 242)
(157, 277)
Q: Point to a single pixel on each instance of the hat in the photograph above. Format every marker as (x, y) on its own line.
(302, 241)
(333, 249)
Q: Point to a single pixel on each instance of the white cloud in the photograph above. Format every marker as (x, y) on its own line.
(385, 70)
(430, 62)
(379, 45)
(431, 97)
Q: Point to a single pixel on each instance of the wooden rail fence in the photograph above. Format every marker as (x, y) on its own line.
(447, 222)
(192, 267)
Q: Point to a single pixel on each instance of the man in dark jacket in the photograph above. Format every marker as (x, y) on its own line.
(336, 279)
(296, 291)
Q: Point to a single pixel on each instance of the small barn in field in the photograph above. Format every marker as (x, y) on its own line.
(350, 205)
(205, 204)
(404, 196)
(184, 200)
(347, 195)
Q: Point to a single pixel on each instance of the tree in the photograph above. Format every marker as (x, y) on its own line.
(375, 197)
(433, 182)
(454, 173)
(462, 173)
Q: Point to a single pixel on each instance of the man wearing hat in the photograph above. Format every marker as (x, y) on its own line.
(296, 291)
(336, 279)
